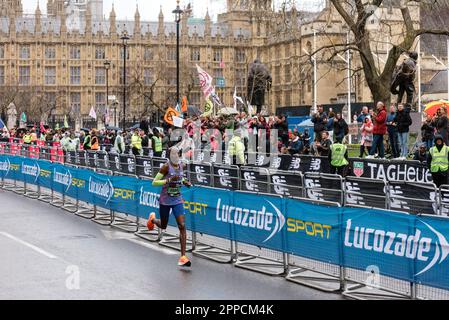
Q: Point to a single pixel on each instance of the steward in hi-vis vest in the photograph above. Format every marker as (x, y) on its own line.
(338, 158)
(438, 161)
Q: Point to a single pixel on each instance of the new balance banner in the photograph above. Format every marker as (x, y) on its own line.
(368, 193)
(412, 198)
(200, 174)
(128, 164)
(226, 177)
(255, 179)
(286, 184)
(403, 246)
(144, 167)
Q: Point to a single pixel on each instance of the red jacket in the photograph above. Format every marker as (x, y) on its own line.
(380, 124)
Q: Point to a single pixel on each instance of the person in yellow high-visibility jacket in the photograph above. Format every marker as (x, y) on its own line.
(27, 138)
(438, 161)
(136, 143)
(338, 158)
(236, 148)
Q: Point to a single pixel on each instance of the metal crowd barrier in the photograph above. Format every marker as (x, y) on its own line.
(322, 275)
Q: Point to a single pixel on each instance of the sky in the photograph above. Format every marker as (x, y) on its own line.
(149, 9)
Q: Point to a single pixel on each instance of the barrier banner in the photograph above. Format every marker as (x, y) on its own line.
(211, 212)
(255, 179)
(402, 246)
(114, 162)
(128, 164)
(313, 231)
(200, 174)
(226, 177)
(411, 171)
(144, 167)
(103, 160)
(91, 159)
(287, 184)
(256, 221)
(413, 198)
(157, 164)
(369, 193)
(80, 159)
(323, 188)
(399, 245)
(148, 199)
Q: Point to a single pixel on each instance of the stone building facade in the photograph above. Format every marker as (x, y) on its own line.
(59, 57)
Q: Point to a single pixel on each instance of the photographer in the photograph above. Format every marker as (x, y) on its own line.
(319, 120)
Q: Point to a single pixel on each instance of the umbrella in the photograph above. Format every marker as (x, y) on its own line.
(227, 111)
(113, 128)
(307, 123)
(432, 107)
(134, 127)
(85, 130)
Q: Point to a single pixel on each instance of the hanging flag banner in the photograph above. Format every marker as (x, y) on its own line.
(92, 113)
(205, 81)
(208, 108)
(184, 105)
(66, 123)
(23, 117)
(236, 98)
(171, 112)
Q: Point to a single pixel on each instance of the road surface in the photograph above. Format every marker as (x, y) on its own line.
(47, 253)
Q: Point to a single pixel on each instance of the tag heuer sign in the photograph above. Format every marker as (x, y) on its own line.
(358, 169)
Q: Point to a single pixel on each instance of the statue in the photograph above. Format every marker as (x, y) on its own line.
(12, 116)
(403, 77)
(259, 80)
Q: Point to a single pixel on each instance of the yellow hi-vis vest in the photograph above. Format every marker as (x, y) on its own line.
(27, 138)
(439, 159)
(136, 141)
(338, 155)
(157, 144)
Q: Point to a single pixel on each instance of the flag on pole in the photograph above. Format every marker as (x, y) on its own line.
(236, 98)
(66, 123)
(57, 126)
(171, 112)
(205, 81)
(215, 98)
(107, 117)
(2, 124)
(184, 105)
(23, 117)
(92, 113)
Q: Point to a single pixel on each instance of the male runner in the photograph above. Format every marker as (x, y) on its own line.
(170, 177)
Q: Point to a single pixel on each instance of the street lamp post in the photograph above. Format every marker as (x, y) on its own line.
(125, 39)
(178, 14)
(107, 66)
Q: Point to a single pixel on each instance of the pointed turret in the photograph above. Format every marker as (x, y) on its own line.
(37, 20)
(88, 27)
(112, 22)
(161, 28)
(207, 21)
(137, 29)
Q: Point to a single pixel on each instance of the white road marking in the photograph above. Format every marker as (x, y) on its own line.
(153, 246)
(29, 245)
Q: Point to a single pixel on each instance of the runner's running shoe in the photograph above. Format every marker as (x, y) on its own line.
(150, 224)
(184, 262)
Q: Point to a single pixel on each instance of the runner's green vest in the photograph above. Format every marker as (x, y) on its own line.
(439, 159)
(338, 155)
(157, 144)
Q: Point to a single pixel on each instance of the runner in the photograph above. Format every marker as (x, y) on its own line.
(170, 177)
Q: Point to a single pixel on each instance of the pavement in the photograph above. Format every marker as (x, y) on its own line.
(47, 253)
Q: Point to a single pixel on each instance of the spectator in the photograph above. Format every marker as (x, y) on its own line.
(380, 129)
(428, 132)
(441, 124)
(119, 143)
(403, 121)
(367, 136)
(95, 142)
(319, 120)
(421, 153)
(323, 146)
(438, 161)
(363, 115)
(393, 132)
(136, 143)
(156, 143)
(296, 145)
(87, 141)
(236, 148)
(341, 128)
(338, 158)
(282, 126)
